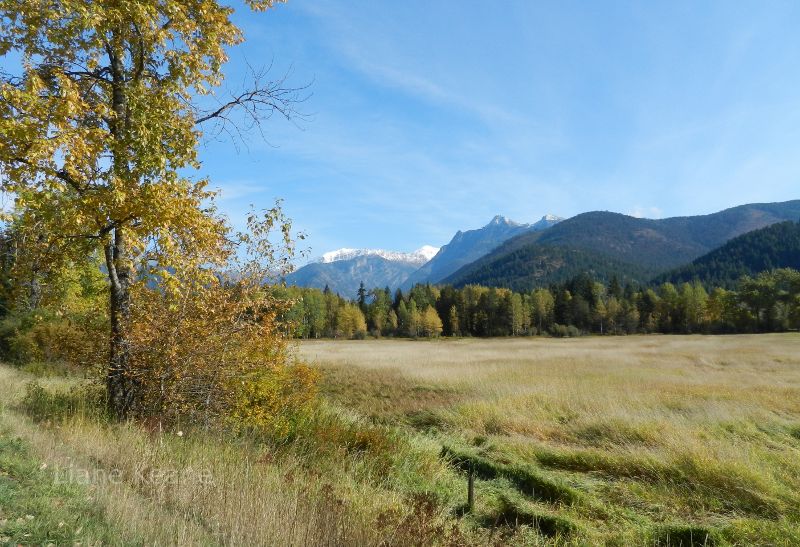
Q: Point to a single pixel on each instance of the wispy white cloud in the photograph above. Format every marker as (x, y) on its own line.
(359, 52)
(235, 190)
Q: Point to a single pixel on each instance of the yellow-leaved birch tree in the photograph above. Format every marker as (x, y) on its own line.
(100, 119)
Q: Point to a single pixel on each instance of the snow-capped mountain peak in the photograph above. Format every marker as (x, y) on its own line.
(427, 251)
(499, 220)
(418, 257)
(546, 221)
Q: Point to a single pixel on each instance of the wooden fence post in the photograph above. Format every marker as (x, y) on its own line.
(471, 489)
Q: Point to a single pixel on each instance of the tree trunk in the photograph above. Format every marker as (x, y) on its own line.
(120, 384)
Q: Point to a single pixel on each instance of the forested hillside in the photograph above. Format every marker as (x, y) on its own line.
(776, 246)
(541, 265)
(344, 276)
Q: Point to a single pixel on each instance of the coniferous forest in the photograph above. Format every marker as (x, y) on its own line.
(766, 302)
(775, 246)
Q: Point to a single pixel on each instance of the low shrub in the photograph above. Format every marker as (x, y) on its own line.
(44, 405)
(43, 336)
(564, 331)
(276, 399)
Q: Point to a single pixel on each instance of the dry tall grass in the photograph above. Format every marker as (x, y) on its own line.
(166, 488)
(693, 430)
(656, 440)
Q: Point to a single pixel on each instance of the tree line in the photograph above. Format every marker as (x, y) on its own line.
(767, 302)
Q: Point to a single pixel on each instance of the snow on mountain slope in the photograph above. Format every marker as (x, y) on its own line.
(417, 258)
(343, 270)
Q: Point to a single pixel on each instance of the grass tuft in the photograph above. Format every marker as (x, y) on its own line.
(513, 513)
(686, 535)
(524, 478)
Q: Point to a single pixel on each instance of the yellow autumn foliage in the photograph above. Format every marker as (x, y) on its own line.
(101, 117)
(206, 345)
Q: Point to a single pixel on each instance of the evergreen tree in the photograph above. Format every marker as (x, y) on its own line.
(614, 288)
(361, 295)
(398, 297)
(378, 310)
(403, 319)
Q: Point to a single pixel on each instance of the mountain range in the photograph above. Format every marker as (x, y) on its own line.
(609, 244)
(343, 270)
(504, 253)
(344, 276)
(417, 258)
(466, 247)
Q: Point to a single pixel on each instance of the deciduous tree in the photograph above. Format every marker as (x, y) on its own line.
(100, 124)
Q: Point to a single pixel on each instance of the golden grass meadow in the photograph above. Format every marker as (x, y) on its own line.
(178, 368)
(639, 440)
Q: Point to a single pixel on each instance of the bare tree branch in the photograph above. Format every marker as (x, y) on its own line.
(261, 101)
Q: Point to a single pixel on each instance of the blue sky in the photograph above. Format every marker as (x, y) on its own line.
(427, 117)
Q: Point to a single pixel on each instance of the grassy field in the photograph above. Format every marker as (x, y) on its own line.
(68, 476)
(621, 441)
(657, 439)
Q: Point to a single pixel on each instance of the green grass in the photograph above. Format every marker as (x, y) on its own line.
(680, 535)
(526, 479)
(515, 512)
(40, 506)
